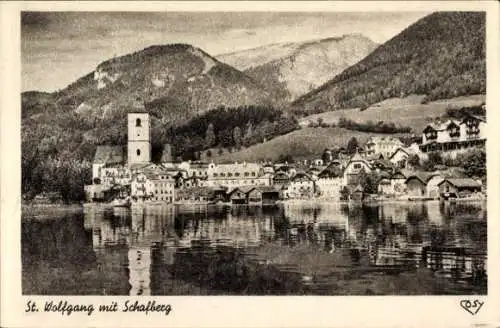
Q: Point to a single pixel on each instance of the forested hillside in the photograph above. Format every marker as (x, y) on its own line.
(440, 56)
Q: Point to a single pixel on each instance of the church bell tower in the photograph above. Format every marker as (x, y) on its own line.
(139, 145)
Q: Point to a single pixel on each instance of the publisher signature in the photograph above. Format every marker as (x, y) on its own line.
(472, 307)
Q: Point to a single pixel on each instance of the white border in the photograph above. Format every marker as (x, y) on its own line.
(308, 311)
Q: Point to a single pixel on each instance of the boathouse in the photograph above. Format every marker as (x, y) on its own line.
(457, 187)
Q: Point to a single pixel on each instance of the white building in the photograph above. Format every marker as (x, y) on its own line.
(354, 167)
(384, 146)
(236, 175)
(455, 136)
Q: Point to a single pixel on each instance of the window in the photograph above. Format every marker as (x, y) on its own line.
(138, 152)
(138, 122)
(215, 175)
(229, 174)
(246, 174)
(357, 166)
(253, 174)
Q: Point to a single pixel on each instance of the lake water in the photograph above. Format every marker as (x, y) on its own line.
(288, 249)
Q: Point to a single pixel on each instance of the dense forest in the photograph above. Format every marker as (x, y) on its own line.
(440, 56)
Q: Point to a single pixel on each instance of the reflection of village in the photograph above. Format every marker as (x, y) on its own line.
(128, 172)
(139, 243)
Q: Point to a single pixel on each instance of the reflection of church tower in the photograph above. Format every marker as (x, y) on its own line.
(139, 146)
(139, 259)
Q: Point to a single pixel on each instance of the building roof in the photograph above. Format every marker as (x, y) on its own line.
(462, 182)
(109, 155)
(398, 150)
(331, 171)
(357, 158)
(424, 177)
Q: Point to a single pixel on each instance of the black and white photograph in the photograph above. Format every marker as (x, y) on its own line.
(250, 152)
(253, 153)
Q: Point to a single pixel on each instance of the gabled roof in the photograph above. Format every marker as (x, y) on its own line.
(462, 182)
(109, 155)
(398, 150)
(477, 117)
(424, 177)
(357, 158)
(301, 174)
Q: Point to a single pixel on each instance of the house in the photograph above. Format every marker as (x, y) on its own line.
(301, 185)
(107, 156)
(384, 187)
(416, 184)
(95, 192)
(354, 167)
(237, 196)
(280, 179)
(330, 181)
(384, 146)
(262, 194)
(459, 186)
(270, 195)
(398, 179)
(400, 158)
(153, 186)
(454, 136)
(237, 175)
(433, 186)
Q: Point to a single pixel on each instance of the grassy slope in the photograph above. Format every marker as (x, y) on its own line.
(302, 143)
(406, 112)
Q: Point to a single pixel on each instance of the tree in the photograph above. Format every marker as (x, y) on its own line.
(237, 137)
(434, 158)
(474, 163)
(414, 160)
(247, 138)
(210, 136)
(369, 181)
(352, 145)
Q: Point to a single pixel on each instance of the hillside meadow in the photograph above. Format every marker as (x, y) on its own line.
(406, 111)
(304, 143)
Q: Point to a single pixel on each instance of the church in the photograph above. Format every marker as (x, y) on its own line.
(115, 168)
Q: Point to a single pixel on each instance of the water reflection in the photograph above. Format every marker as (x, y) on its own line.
(314, 248)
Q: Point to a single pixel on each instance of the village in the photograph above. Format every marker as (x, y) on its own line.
(382, 168)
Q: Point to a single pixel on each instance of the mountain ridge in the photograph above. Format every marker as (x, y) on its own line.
(288, 70)
(442, 55)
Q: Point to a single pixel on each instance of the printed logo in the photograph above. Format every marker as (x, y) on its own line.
(472, 307)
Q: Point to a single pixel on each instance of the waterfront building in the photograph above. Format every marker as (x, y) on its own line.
(237, 175)
(109, 157)
(384, 146)
(302, 185)
(456, 187)
(330, 181)
(455, 136)
(153, 186)
(398, 179)
(263, 194)
(433, 186)
(417, 184)
(354, 167)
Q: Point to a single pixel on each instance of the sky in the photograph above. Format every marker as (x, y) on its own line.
(57, 48)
